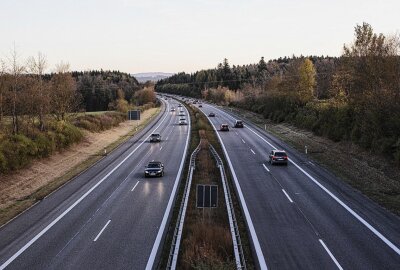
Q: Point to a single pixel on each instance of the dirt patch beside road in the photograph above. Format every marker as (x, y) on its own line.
(375, 176)
(17, 188)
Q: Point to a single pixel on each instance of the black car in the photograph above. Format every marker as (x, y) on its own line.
(224, 127)
(238, 124)
(154, 168)
(278, 157)
(155, 137)
(211, 114)
(200, 105)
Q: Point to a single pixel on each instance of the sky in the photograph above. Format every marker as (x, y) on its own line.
(183, 35)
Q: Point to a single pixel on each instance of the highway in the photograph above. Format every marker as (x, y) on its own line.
(300, 216)
(108, 217)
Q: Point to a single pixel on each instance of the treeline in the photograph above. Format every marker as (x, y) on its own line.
(100, 88)
(39, 110)
(355, 97)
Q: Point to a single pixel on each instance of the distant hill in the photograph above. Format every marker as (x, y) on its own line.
(151, 76)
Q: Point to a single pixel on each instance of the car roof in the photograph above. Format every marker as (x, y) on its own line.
(277, 151)
(155, 134)
(155, 162)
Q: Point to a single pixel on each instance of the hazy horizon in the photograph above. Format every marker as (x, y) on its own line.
(173, 36)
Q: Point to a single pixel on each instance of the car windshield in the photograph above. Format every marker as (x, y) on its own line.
(153, 165)
(280, 154)
(238, 122)
(155, 135)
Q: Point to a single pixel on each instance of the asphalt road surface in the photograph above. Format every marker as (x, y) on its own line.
(110, 216)
(300, 216)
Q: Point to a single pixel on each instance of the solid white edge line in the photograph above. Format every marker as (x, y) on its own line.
(157, 242)
(135, 185)
(252, 151)
(354, 214)
(49, 226)
(257, 246)
(243, 141)
(287, 195)
(102, 230)
(265, 167)
(331, 255)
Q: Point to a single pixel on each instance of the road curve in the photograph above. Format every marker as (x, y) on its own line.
(110, 216)
(303, 216)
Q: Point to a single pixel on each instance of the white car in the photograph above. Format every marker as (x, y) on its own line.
(182, 121)
(181, 113)
(172, 109)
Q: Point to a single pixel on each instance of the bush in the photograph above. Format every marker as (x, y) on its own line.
(97, 123)
(45, 145)
(18, 150)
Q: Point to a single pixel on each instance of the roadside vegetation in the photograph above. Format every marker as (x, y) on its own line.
(41, 113)
(353, 98)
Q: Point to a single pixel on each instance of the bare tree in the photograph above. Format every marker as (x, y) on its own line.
(2, 88)
(37, 67)
(16, 71)
(64, 95)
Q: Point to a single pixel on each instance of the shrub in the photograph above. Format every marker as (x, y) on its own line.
(45, 145)
(18, 151)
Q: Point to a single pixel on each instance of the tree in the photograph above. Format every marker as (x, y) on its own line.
(262, 65)
(3, 88)
(144, 96)
(37, 67)
(306, 81)
(16, 71)
(64, 96)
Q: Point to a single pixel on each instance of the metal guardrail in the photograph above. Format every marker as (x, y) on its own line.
(237, 243)
(176, 240)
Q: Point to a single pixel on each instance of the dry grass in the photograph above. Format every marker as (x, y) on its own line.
(207, 242)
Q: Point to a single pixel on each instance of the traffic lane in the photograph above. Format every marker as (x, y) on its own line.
(47, 212)
(135, 216)
(385, 219)
(15, 234)
(288, 241)
(348, 239)
(39, 255)
(316, 205)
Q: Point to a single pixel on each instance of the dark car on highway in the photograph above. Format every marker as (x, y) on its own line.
(154, 168)
(278, 157)
(224, 127)
(238, 124)
(155, 137)
(211, 114)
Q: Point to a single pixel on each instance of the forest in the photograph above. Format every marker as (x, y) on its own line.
(354, 97)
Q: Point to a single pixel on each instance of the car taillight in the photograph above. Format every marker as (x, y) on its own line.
(285, 157)
(273, 157)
